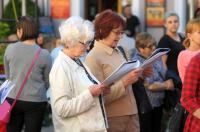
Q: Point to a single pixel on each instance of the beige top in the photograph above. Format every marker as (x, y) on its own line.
(102, 61)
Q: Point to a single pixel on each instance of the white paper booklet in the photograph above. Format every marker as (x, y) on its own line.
(122, 70)
(126, 67)
(5, 88)
(157, 54)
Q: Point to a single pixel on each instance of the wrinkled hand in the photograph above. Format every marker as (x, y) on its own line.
(156, 86)
(131, 77)
(169, 84)
(148, 71)
(96, 90)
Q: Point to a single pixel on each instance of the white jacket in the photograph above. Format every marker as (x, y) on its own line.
(74, 109)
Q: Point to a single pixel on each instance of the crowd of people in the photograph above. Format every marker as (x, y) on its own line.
(74, 70)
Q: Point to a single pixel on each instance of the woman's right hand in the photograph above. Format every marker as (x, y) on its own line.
(131, 77)
(96, 90)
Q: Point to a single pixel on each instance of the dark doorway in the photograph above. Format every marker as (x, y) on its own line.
(93, 7)
(109, 4)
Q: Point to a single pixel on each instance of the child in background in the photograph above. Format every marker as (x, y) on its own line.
(191, 94)
(192, 45)
(40, 40)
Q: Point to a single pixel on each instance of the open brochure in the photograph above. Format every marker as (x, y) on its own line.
(5, 89)
(122, 70)
(157, 54)
(126, 67)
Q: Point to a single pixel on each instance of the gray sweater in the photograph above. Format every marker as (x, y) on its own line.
(17, 60)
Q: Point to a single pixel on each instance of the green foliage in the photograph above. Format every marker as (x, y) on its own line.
(9, 13)
(4, 30)
(2, 50)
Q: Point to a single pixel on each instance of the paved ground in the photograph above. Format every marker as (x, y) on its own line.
(47, 129)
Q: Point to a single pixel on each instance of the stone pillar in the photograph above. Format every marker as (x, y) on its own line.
(47, 7)
(180, 9)
(23, 7)
(77, 8)
(1, 8)
(191, 8)
(138, 9)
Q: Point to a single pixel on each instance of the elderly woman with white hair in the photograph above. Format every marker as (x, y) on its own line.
(75, 94)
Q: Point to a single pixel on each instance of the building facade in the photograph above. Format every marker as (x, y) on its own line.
(149, 12)
(184, 8)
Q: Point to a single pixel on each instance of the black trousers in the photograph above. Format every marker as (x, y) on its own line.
(151, 121)
(28, 114)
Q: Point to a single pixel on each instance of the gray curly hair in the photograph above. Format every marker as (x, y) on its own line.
(75, 29)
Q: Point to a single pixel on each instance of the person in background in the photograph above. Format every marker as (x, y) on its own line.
(128, 45)
(103, 59)
(31, 105)
(57, 48)
(172, 40)
(192, 45)
(155, 85)
(190, 97)
(76, 105)
(132, 22)
(40, 40)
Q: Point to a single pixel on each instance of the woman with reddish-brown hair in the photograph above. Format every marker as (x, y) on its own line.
(103, 59)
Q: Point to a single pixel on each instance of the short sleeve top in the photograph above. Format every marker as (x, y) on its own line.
(175, 48)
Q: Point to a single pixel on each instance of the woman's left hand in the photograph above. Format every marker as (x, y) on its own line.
(148, 71)
(96, 90)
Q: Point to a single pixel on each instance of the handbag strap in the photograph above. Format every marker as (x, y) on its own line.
(26, 77)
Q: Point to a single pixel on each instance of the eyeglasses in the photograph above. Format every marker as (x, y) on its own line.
(118, 32)
(87, 43)
(151, 46)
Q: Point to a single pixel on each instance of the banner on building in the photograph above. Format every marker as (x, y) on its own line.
(60, 9)
(155, 10)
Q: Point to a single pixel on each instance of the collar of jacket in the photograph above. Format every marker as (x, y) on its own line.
(106, 48)
(141, 56)
(69, 60)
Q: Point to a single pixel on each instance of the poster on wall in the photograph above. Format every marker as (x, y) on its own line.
(60, 9)
(155, 10)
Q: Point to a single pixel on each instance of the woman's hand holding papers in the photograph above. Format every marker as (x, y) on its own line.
(131, 77)
(96, 90)
(148, 71)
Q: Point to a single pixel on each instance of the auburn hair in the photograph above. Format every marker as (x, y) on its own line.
(105, 22)
(192, 26)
